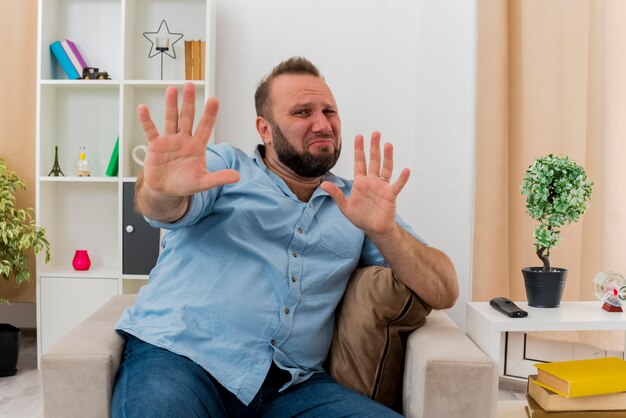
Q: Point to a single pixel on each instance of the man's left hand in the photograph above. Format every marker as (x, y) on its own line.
(372, 203)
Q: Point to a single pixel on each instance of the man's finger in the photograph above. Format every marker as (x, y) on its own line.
(375, 154)
(143, 114)
(188, 109)
(218, 178)
(207, 121)
(171, 110)
(387, 169)
(360, 165)
(398, 185)
(336, 193)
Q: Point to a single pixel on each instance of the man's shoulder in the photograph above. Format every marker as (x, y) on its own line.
(224, 148)
(229, 153)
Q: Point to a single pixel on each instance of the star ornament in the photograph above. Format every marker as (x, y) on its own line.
(162, 33)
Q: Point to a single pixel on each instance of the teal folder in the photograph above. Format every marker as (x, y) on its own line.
(64, 61)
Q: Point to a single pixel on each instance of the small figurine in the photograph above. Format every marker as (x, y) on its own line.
(56, 168)
(92, 73)
(82, 169)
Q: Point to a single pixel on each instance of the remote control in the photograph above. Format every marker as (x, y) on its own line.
(508, 308)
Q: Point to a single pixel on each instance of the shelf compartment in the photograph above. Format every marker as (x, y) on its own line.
(95, 26)
(72, 117)
(188, 17)
(80, 216)
(68, 301)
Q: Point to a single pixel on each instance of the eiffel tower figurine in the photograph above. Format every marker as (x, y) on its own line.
(56, 169)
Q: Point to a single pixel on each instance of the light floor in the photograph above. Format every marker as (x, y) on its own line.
(21, 397)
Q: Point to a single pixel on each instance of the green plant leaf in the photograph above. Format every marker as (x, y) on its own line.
(18, 231)
(557, 193)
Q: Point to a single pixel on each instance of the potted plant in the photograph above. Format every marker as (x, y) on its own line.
(18, 236)
(557, 192)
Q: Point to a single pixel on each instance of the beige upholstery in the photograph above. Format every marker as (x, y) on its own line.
(78, 372)
(446, 375)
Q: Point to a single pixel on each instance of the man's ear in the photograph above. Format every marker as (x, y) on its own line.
(264, 129)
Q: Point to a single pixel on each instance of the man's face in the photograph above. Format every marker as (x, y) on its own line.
(306, 129)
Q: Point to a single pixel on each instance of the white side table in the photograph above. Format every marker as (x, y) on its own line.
(487, 327)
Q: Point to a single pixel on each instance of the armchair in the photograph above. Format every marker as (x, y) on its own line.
(445, 374)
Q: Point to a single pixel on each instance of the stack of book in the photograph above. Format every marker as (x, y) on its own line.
(69, 58)
(577, 389)
(195, 60)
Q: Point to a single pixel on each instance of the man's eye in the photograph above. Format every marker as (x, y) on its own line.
(302, 112)
(329, 112)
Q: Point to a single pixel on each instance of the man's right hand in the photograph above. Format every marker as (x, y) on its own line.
(175, 163)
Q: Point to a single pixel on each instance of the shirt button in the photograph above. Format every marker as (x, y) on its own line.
(273, 342)
(293, 279)
(299, 230)
(286, 310)
(294, 254)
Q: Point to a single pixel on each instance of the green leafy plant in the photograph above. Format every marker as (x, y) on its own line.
(557, 192)
(18, 231)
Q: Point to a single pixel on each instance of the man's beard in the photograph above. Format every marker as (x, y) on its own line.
(303, 163)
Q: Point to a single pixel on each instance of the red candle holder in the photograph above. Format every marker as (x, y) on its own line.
(81, 260)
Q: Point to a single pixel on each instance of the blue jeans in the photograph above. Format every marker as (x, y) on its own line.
(153, 382)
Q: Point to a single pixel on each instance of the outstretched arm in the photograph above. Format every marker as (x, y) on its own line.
(372, 208)
(175, 163)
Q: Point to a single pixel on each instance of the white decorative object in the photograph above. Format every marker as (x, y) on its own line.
(610, 288)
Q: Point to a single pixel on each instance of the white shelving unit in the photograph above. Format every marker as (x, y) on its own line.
(87, 212)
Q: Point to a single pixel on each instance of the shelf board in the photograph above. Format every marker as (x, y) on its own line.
(161, 83)
(76, 179)
(81, 83)
(68, 271)
(135, 277)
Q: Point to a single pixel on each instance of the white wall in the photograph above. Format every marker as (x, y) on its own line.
(21, 315)
(403, 67)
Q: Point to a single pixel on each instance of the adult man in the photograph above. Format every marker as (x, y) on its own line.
(238, 316)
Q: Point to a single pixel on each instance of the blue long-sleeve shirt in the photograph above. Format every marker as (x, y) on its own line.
(251, 275)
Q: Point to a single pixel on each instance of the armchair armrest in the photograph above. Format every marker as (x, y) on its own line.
(446, 374)
(78, 372)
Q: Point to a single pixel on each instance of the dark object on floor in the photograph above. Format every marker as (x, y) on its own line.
(9, 349)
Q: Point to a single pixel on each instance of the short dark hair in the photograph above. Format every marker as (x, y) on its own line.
(294, 65)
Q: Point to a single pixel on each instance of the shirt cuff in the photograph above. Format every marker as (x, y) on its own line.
(193, 212)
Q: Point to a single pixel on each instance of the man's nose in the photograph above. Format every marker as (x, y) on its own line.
(321, 123)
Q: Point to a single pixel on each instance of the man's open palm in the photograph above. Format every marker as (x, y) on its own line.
(372, 202)
(175, 164)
